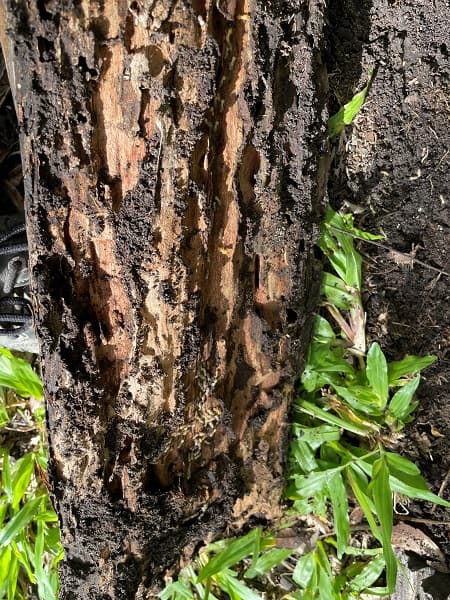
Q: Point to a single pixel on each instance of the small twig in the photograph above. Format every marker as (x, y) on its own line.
(20, 429)
(419, 520)
(444, 483)
(391, 250)
(442, 488)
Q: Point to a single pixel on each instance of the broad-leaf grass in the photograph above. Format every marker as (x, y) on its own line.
(30, 547)
(17, 374)
(348, 112)
(212, 572)
(354, 394)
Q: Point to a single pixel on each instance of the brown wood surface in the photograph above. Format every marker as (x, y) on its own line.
(174, 182)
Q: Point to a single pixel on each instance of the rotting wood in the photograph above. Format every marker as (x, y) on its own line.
(174, 183)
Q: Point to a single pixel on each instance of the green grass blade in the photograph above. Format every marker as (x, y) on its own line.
(377, 373)
(410, 365)
(178, 590)
(353, 264)
(48, 516)
(330, 247)
(237, 550)
(382, 497)
(316, 436)
(311, 380)
(5, 561)
(302, 457)
(53, 537)
(236, 589)
(303, 506)
(17, 374)
(415, 488)
(6, 475)
(336, 292)
(322, 330)
(401, 404)
(327, 360)
(268, 561)
(256, 546)
(369, 575)
(336, 123)
(312, 592)
(315, 411)
(406, 481)
(321, 558)
(23, 470)
(348, 221)
(39, 545)
(348, 112)
(4, 417)
(363, 499)
(45, 588)
(19, 521)
(54, 582)
(313, 483)
(400, 464)
(304, 570)
(4, 506)
(216, 547)
(338, 496)
(360, 398)
(340, 251)
(203, 592)
(13, 576)
(325, 587)
(20, 552)
(324, 573)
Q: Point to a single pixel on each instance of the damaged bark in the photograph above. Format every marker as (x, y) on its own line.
(174, 186)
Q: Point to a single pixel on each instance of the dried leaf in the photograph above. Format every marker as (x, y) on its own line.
(411, 539)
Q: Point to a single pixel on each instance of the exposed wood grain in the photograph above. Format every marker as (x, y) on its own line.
(173, 191)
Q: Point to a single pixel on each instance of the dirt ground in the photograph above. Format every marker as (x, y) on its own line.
(392, 167)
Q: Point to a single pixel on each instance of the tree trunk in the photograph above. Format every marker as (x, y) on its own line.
(174, 186)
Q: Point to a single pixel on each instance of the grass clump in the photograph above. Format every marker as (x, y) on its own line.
(30, 546)
(351, 406)
(228, 567)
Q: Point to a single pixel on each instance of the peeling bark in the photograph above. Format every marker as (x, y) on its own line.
(174, 183)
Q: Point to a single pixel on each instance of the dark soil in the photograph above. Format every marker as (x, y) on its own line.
(392, 166)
